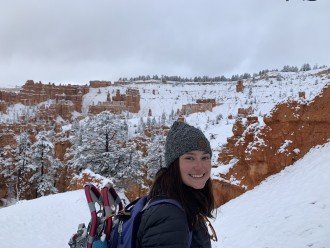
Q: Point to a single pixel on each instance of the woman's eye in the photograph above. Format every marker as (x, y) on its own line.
(189, 158)
(206, 158)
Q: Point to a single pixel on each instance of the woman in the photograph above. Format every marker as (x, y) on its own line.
(186, 179)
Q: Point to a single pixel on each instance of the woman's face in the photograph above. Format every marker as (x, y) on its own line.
(195, 168)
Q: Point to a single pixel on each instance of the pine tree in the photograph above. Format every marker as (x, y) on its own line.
(163, 119)
(44, 176)
(101, 149)
(23, 160)
(305, 67)
(153, 122)
(155, 159)
(141, 126)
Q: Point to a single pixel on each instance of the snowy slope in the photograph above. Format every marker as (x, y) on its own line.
(290, 209)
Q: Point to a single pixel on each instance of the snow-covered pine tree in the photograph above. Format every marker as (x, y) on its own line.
(148, 121)
(305, 67)
(23, 161)
(7, 168)
(163, 119)
(155, 159)
(44, 176)
(141, 126)
(101, 149)
(153, 122)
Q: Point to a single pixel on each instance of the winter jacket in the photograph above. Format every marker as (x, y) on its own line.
(165, 225)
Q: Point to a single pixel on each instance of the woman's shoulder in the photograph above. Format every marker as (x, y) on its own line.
(160, 226)
(163, 211)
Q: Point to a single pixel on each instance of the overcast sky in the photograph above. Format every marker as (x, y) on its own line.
(76, 41)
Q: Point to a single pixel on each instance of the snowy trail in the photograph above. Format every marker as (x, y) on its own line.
(290, 209)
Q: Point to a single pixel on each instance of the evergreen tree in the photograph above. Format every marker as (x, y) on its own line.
(305, 67)
(23, 161)
(44, 176)
(103, 138)
(154, 122)
(155, 159)
(141, 126)
(163, 119)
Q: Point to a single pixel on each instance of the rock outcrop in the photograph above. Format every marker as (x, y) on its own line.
(201, 105)
(34, 93)
(119, 103)
(290, 131)
(239, 86)
(99, 84)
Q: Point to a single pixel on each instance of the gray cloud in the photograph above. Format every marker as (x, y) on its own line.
(80, 40)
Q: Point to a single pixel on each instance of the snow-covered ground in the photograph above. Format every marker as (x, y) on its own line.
(290, 209)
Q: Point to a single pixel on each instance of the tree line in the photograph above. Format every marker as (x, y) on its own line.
(235, 77)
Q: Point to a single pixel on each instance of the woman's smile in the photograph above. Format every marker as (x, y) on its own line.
(197, 176)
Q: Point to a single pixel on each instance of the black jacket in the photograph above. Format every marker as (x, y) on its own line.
(165, 225)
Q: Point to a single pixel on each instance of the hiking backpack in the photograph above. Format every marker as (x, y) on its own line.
(113, 226)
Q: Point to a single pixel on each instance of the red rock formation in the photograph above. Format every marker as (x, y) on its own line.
(133, 190)
(3, 107)
(99, 84)
(79, 182)
(291, 130)
(302, 95)
(239, 86)
(34, 93)
(119, 103)
(7, 138)
(212, 101)
(324, 72)
(201, 105)
(133, 100)
(244, 112)
(61, 108)
(60, 149)
(224, 192)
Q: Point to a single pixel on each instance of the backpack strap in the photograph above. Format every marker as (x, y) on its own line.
(152, 202)
(112, 205)
(93, 196)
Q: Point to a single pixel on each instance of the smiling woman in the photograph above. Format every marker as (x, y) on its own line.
(186, 180)
(195, 168)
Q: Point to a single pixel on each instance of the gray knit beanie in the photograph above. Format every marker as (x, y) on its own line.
(183, 138)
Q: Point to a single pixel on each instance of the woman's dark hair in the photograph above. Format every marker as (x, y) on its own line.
(196, 202)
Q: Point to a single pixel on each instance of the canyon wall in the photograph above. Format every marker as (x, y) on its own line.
(290, 131)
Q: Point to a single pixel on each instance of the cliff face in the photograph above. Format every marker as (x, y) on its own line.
(290, 131)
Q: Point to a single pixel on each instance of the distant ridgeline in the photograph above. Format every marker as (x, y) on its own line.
(235, 77)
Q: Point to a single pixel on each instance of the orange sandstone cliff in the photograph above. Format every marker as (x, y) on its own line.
(257, 152)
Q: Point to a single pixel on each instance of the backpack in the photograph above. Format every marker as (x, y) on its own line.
(113, 226)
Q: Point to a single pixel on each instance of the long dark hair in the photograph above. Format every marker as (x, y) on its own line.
(196, 202)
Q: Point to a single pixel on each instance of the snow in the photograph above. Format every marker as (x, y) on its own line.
(290, 209)
(283, 147)
(224, 169)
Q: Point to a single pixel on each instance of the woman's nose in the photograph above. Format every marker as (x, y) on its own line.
(198, 164)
